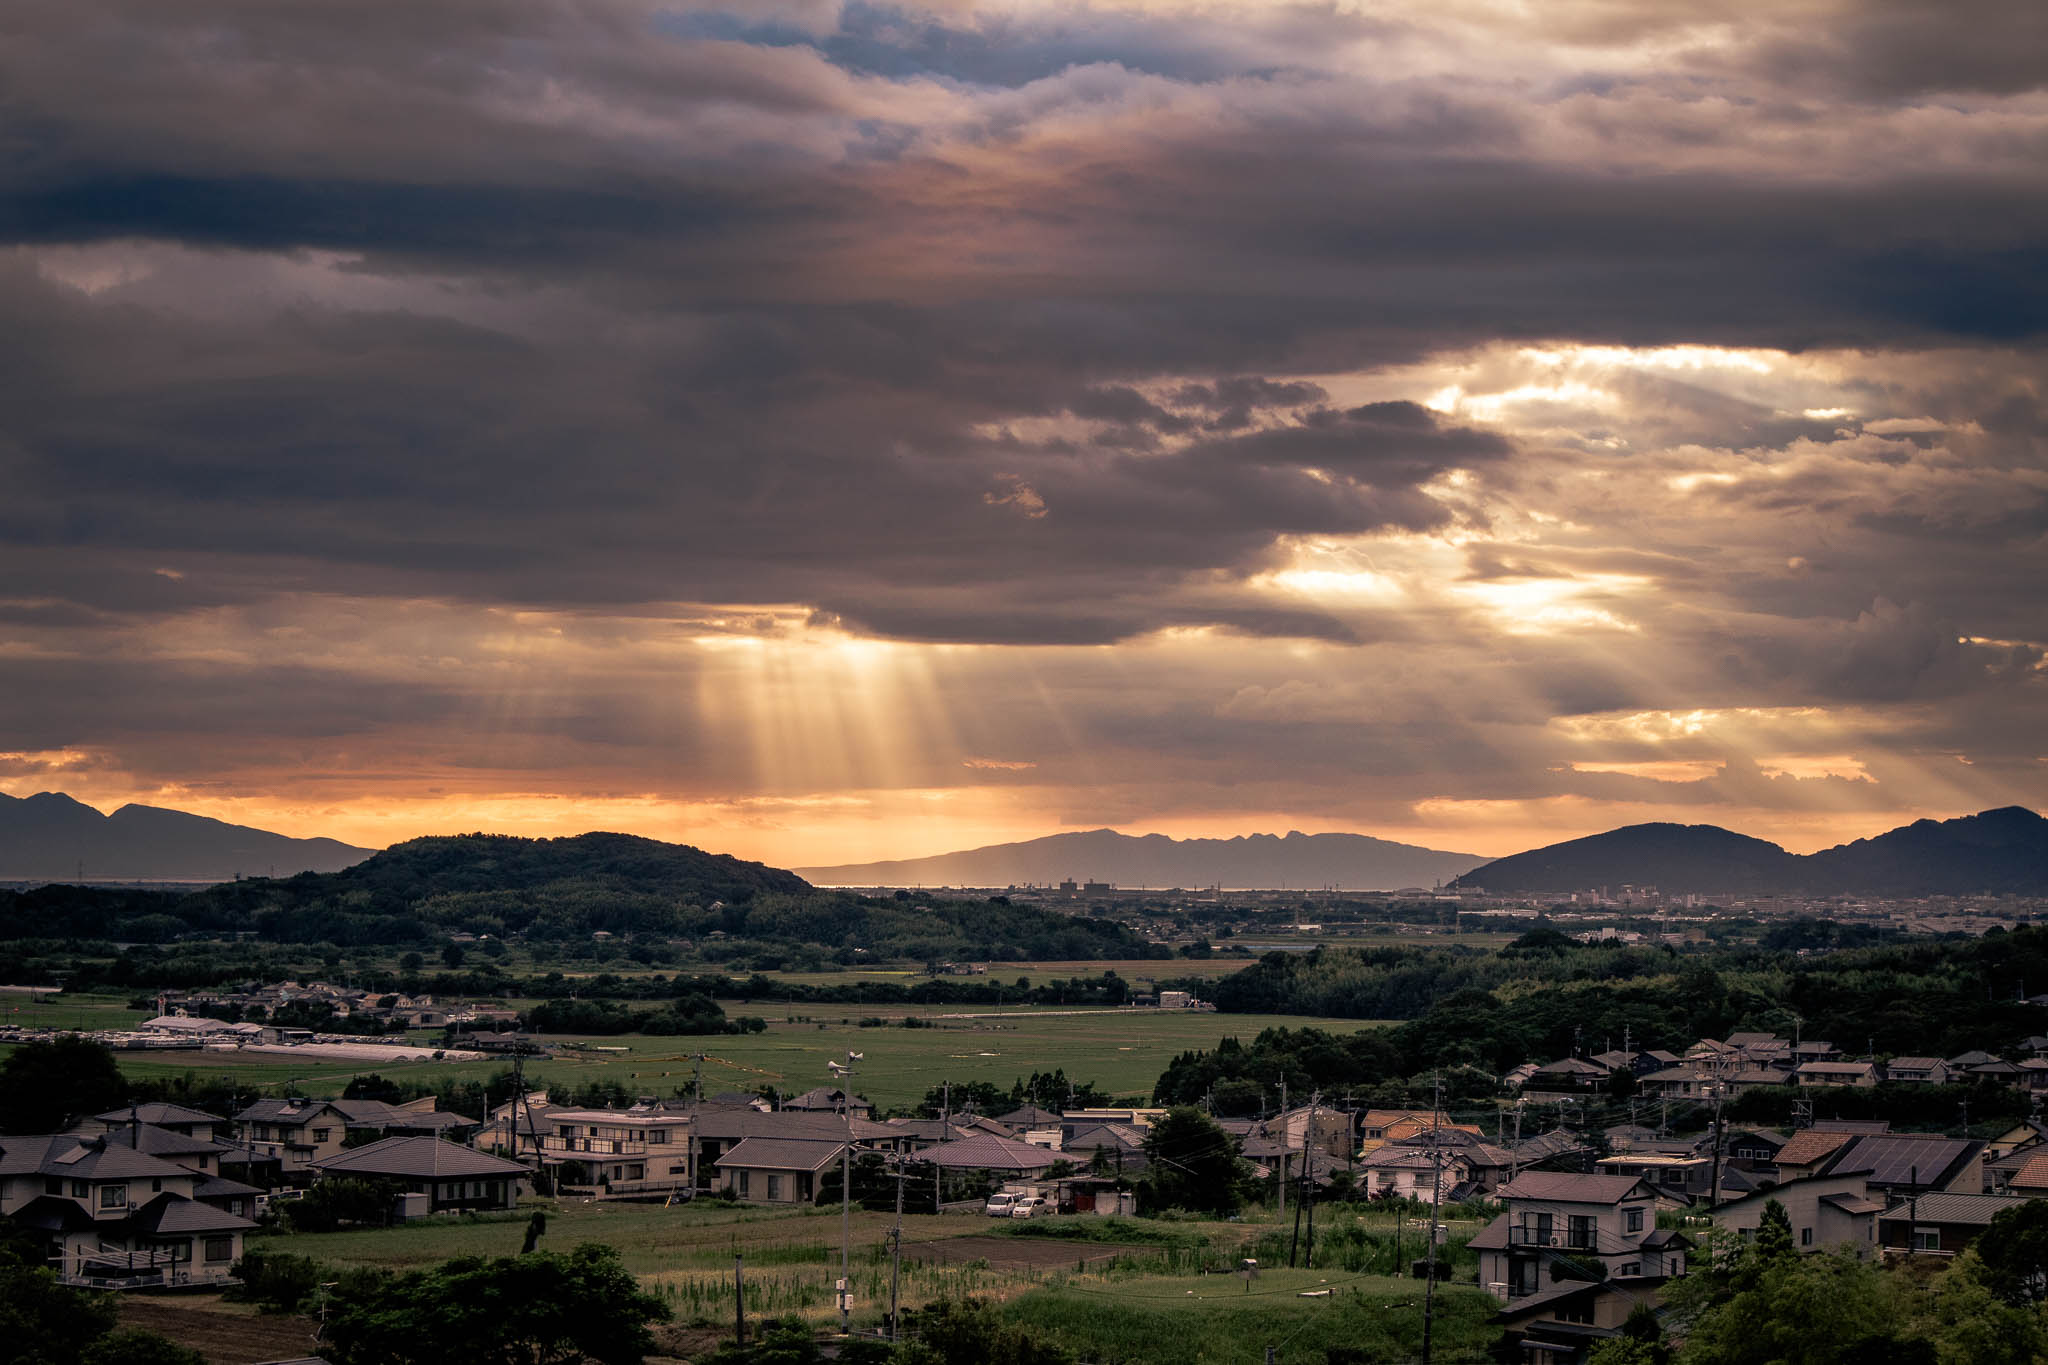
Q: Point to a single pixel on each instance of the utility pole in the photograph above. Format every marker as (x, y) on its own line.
(1436, 1204)
(945, 1123)
(1714, 1195)
(739, 1300)
(845, 1074)
(1283, 1157)
(896, 1239)
(1308, 1184)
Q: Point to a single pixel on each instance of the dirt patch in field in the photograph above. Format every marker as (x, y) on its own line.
(225, 1333)
(1020, 1253)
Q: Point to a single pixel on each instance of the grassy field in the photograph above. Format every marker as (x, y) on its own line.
(1121, 1051)
(1210, 1320)
(44, 1008)
(1147, 1303)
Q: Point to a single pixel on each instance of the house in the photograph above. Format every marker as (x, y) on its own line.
(173, 1118)
(1074, 1120)
(1684, 1176)
(826, 1100)
(1938, 1224)
(777, 1170)
(296, 1132)
(454, 1178)
(1567, 1076)
(114, 1217)
(1561, 1323)
(1896, 1163)
(618, 1153)
(1859, 1075)
(1114, 1147)
(1377, 1127)
(1000, 1156)
(720, 1128)
(1824, 1210)
(1558, 1223)
(1410, 1170)
(1917, 1071)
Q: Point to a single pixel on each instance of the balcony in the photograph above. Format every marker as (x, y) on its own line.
(598, 1146)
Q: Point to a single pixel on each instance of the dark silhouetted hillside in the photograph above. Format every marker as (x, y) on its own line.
(51, 837)
(1263, 861)
(1995, 852)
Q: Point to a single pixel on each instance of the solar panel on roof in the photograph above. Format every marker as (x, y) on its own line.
(75, 1154)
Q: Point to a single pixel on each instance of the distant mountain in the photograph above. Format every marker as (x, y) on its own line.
(1680, 858)
(1995, 852)
(1263, 861)
(2003, 851)
(50, 837)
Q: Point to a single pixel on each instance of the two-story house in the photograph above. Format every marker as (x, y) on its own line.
(1560, 1225)
(295, 1132)
(112, 1216)
(619, 1153)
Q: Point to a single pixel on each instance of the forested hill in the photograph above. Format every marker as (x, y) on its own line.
(1992, 853)
(494, 883)
(737, 913)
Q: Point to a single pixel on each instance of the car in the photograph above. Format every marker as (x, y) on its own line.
(1032, 1206)
(1001, 1204)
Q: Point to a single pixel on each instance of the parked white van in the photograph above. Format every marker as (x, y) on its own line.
(1001, 1203)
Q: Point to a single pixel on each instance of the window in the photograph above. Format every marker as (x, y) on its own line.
(53, 1185)
(774, 1188)
(743, 1183)
(1632, 1219)
(113, 1196)
(1631, 1268)
(219, 1249)
(1583, 1229)
(80, 1190)
(657, 1135)
(322, 1134)
(1581, 1312)
(1806, 1237)
(1926, 1239)
(156, 1186)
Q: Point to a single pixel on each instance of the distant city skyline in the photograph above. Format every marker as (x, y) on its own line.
(831, 432)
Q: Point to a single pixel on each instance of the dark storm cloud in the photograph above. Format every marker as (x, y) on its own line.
(1037, 329)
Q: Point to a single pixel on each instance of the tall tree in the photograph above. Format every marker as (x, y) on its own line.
(1191, 1163)
(42, 1084)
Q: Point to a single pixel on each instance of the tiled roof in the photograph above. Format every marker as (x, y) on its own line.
(158, 1114)
(162, 1142)
(168, 1213)
(81, 1158)
(781, 1154)
(1569, 1188)
(2033, 1175)
(1810, 1145)
(989, 1152)
(419, 1158)
(1976, 1209)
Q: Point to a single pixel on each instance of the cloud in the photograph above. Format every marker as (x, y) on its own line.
(1289, 399)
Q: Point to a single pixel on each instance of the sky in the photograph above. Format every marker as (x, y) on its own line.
(827, 431)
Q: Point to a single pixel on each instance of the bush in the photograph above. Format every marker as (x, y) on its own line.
(276, 1281)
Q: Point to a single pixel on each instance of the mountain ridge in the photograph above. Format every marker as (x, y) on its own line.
(1261, 861)
(1994, 852)
(50, 836)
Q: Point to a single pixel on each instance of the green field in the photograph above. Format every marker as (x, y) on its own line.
(1210, 1320)
(45, 1008)
(1133, 1309)
(1120, 1051)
